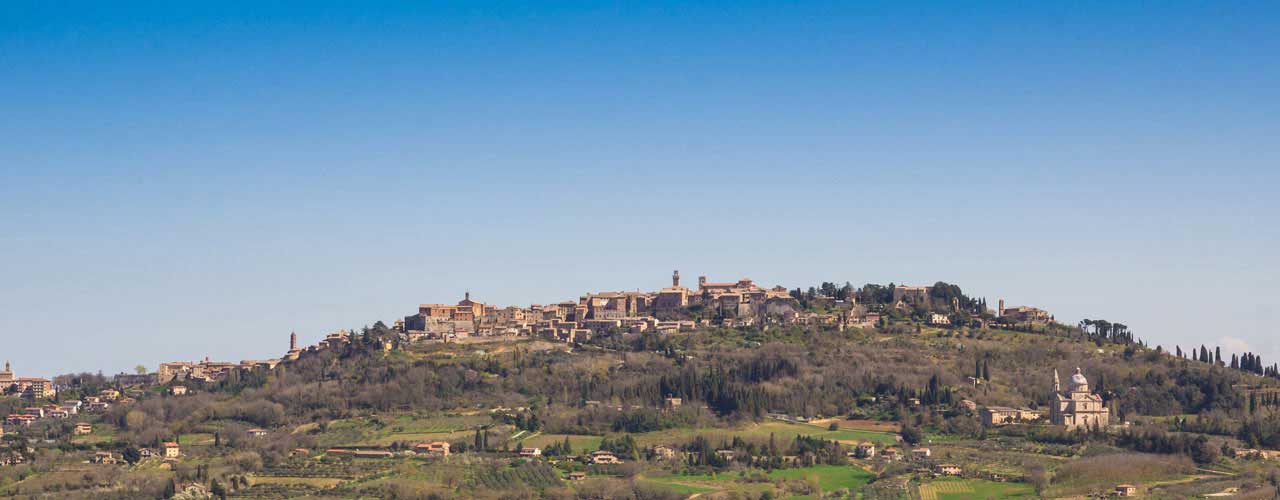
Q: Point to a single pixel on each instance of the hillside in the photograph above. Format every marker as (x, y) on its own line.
(735, 412)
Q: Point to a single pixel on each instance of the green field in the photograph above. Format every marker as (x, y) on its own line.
(684, 489)
(961, 489)
(851, 436)
(828, 477)
(581, 444)
(196, 439)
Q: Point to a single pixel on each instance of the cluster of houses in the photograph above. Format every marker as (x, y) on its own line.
(169, 452)
(442, 449)
(866, 450)
(208, 370)
(732, 304)
(27, 387)
(68, 409)
(739, 303)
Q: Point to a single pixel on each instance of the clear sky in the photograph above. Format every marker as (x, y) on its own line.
(182, 179)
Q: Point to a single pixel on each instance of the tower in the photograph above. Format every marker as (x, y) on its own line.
(675, 279)
(467, 296)
(1001, 309)
(1057, 386)
(702, 280)
(293, 341)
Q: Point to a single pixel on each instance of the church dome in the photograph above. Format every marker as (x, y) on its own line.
(1078, 380)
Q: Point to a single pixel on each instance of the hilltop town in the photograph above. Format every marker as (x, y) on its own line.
(738, 304)
(728, 389)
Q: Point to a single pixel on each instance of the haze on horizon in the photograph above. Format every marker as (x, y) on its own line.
(180, 181)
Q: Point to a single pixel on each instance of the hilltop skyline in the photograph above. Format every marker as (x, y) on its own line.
(183, 181)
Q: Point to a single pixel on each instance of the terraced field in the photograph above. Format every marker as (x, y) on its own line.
(383, 431)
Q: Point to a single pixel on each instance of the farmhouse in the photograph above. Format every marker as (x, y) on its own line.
(530, 452)
(171, 450)
(604, 457)
(434, 448)
(1126, 490)
(998, 415)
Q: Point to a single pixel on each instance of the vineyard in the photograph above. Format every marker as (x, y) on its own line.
(327, 468)
(533, 474)
(275, 490)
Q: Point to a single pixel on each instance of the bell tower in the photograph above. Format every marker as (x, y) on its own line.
(675, 279)
(293, 341)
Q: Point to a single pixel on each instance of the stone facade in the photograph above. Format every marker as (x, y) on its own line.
(1078, 407)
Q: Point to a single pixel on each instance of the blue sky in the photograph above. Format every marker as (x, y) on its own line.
(183, 180)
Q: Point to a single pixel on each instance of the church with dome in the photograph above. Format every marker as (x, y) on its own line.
(1077, 407)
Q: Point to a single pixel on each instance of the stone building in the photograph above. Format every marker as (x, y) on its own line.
(1024, 314)
(1077, 407)
(912, 294)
